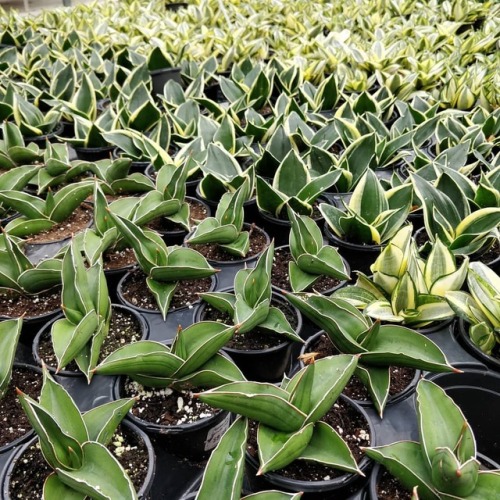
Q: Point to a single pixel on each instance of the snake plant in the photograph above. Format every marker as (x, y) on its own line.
(404, 287)
(250, 304)
(10, 332)
(13, 150)
(74, 445)
(289, 416)
(480, 307)
(443, 464)
(378, 346)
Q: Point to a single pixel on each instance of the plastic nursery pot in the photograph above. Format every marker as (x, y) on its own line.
(46, 330)
(93, 154)
(176, 236)
(461, 330)
(41, 140)
(360, 257)
(249, 207)
(339, 488)
(194, 440)
(176, 6)
(139, 435)
(135, 166)
(29, 433)
(371, 492)
(477, 393)
(261, 365)
(327, 291)
(396, 398)
(160, 77)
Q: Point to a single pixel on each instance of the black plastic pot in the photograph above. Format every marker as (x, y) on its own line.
(397, 398)
(93, 154)
(41, 140)
(160, 77)
(193, 440)
(229, 268)
(142, 494)
(359, 257)
(261, 365)
(461, 330)
(477, 393)
(45, 330)
(339, 488)
(371, 488)
(326, 292)
(176, 6)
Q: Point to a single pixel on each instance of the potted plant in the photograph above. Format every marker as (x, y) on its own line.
(362, 228)
(290, 426)
(444, 463)
(378, 346)
(262, 345)
(163, 379)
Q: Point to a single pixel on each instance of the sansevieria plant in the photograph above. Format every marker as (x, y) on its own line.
(378, 346)
(443, 465)
(74, 445)
(480, 307)
(10, 331)
(289, 417)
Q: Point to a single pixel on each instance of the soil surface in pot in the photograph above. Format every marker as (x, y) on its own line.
(342, 417)
(124, 328)
(75, 223)
(118, 259)
(31, 470)
(258, 338)
(14, 305)
(136, 292)
(389, 488)
(281, 279)
(401, 377)
(197, 212)
(13, 420)
(166, 406)
(214, 252)
(491, 254)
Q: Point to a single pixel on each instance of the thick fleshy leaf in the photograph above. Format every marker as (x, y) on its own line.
(300, 280)
(326, 262)
(183, 263)
(163, 293)
(222, 301)
(272, 495)
(53, 487)
(101, 476)
(263, 402)
(10, 331)
(406, 461)
(223, 474)
(22, 226)
(276, 322)
(279, 449)
(377, 380)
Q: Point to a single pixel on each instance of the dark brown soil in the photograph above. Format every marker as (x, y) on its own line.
(14, 422)
(347, 421)
(119, 259)
(389, 488)
(124, 328)
(491, 254)
(30, 472)
(280, 278)
(13, 305)
(215, 253)
(256, 339)
(136, 292)
(166, 406)
(76, 222)
(401, 377)
(197, 212)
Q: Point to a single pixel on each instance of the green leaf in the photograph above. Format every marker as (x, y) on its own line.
(377, 381)
(68, 198)
(10, 331)
(292, 175)
(222, 301)
(53, 487)
(183, 264)
(101, 476)
(163, 293)
(277, 322)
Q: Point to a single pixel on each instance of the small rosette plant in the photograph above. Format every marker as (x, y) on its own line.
(404, 287)
(443, 465)
(14, 153)
(373, 216)
(193, 359)
(378, 347)
(164, 267)
(480, 307)
(226, 228)
(289, 417)
(311, 259)
(74, 445)
(39, 215)
(250, 304)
